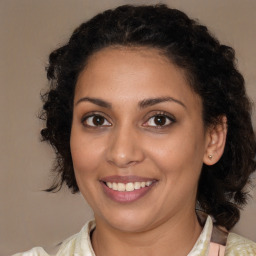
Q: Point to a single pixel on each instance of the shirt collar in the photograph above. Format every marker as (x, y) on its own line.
(201, 246)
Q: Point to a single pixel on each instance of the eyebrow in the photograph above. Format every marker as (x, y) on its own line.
(142, 104)
(95, 101)
(153, 101)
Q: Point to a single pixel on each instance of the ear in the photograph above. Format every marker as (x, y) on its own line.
(215, 141)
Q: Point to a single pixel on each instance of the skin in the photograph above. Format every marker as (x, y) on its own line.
(163, 221)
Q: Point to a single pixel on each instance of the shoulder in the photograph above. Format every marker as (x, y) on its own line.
(238, 245)
(78, 244)
(37, 251)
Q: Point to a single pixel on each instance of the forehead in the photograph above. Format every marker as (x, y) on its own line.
(132, 73)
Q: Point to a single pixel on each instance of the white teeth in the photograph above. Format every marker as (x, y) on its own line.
(114, 186)
(109, 184)
(148, 183)
(120, 186)
(137, 185)
(130, 186)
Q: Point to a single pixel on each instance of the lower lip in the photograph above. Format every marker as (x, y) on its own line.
(126, 196)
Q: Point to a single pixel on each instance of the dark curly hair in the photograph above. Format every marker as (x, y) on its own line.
(211, 72)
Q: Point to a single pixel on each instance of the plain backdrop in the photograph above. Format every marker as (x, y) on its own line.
(29, 31)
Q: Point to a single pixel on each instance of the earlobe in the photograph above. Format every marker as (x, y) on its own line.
(216, 140)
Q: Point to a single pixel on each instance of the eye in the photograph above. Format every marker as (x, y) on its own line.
(95, 121)
(159, 120)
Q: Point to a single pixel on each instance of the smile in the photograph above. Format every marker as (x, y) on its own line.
(131, 186)
(126, 189)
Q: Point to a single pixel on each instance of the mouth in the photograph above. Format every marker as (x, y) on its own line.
(130, 186)
(127, 189)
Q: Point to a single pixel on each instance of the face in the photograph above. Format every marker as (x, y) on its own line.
(137, 139)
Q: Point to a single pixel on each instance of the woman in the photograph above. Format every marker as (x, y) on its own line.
(149, 118)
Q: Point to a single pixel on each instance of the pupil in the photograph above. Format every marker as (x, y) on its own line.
(160, 120)
(98, 120)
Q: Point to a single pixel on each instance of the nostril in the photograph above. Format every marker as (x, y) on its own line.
(123, 148)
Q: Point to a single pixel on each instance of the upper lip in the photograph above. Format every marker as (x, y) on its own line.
(125, 179)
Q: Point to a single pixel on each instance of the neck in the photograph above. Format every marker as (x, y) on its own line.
(175, 236)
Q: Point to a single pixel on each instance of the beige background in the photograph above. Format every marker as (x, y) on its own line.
(30, 29)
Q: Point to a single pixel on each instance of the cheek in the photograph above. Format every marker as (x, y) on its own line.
(178, 155)
(85, 154)
(86, 163)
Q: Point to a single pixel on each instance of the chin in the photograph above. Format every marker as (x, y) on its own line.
(132, 226)
(129, 221)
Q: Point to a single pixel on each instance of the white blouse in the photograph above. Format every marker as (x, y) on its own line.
(80, 244)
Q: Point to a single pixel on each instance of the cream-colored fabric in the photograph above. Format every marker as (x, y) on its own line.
(202, 244)
(240, 246)
(80, 244)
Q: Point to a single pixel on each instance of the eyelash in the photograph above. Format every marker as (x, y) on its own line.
(168, 118)
(92, 115)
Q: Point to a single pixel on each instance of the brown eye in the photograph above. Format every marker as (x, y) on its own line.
(159, 121)
(96, 120)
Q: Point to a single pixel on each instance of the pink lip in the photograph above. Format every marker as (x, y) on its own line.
(126, 196)
(125, 179)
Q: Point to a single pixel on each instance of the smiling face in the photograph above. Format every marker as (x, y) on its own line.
(138, 140)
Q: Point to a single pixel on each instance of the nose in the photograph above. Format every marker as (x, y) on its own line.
(125, 148)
